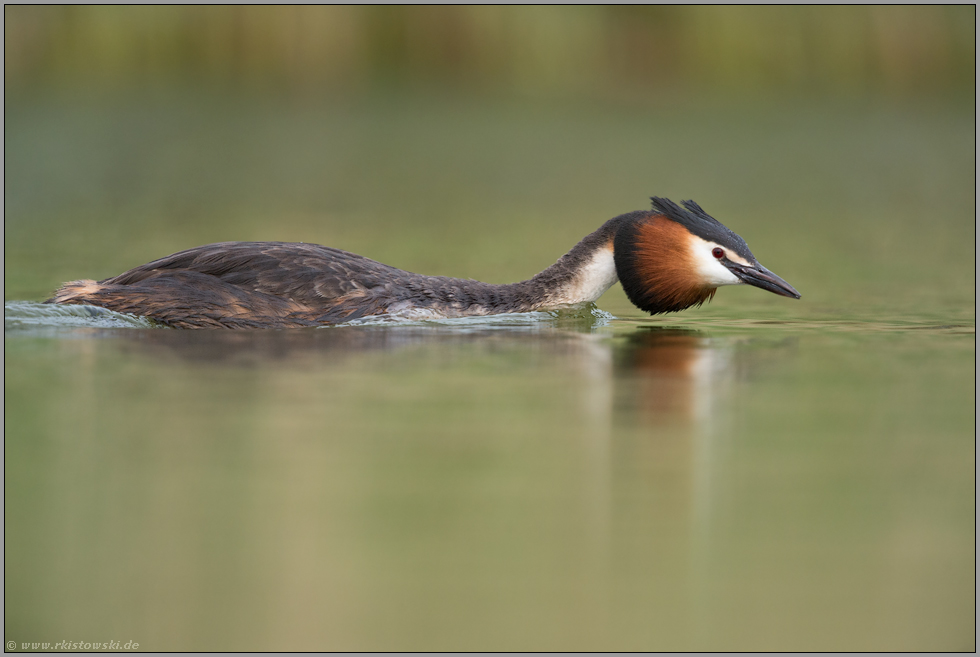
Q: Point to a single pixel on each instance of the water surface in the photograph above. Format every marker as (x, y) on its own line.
(757, 474)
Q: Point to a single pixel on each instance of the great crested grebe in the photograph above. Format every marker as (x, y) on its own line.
(667, 259)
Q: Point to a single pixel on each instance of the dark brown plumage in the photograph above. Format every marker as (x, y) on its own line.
(656, 268)
(282, 285)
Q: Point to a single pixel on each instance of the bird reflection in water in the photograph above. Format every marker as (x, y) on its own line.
(675, 375)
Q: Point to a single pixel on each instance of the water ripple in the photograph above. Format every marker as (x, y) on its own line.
(28, 316)
(31, 316)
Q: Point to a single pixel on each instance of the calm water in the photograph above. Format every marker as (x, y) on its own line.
(757, 474)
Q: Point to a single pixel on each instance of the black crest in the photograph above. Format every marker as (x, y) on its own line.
(693, 217)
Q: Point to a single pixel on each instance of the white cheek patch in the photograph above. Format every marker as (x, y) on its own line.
(712, 272)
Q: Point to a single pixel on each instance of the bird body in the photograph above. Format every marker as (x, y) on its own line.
(667, 259)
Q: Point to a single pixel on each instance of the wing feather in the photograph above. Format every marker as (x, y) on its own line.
(305, 273)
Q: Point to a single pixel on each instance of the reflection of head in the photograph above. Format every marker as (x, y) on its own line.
(662, 349)
(669, 373)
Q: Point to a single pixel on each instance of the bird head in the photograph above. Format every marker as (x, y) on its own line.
(676, 257)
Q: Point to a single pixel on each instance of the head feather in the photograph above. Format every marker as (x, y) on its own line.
(693, 217)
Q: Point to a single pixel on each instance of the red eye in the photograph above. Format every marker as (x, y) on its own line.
(718, 253)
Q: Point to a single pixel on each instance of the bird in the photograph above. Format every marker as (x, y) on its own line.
(669, 258)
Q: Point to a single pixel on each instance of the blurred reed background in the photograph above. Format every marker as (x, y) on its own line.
(620, 53)
(756, 474)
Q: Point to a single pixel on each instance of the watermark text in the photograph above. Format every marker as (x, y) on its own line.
(11, 646)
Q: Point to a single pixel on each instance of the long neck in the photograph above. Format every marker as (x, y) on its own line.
(580, 276)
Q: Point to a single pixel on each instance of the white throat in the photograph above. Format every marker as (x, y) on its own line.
(597, 276)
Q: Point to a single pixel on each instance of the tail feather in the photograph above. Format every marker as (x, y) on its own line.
(84, 292)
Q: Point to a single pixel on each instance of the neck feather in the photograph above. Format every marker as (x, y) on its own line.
(580, 276)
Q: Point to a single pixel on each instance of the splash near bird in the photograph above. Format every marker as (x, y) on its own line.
(668, 259)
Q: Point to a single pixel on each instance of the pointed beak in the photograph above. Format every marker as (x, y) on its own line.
(759, 276)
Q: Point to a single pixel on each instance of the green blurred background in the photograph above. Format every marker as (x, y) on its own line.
(755, 474)
(484, 141)
(608, 53)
